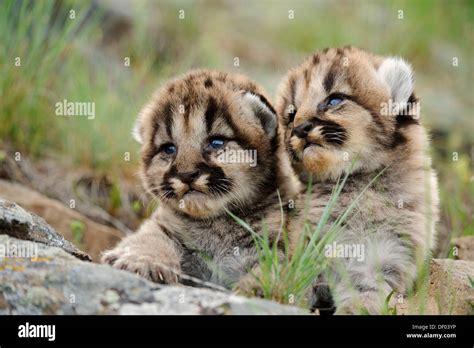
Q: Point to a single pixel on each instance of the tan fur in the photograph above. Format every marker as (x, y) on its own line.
(191, 233)
(395, 218)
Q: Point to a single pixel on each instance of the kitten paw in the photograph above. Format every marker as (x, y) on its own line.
(147, 266)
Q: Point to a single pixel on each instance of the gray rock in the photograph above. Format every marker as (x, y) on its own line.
(54, 282)
(450, 290)
(18, 223)
(90, 236)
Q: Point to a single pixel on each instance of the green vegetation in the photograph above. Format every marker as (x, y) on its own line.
(47, 56)
(287, 279)
(78, 229)
(85, 59)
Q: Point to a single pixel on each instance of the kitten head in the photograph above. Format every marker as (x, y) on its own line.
(345, 107)
(208, 140)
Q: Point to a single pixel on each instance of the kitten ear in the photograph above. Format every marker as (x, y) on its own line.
(137, 131)
(398, 75)
(264, 111)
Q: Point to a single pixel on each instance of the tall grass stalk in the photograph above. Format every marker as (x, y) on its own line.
(288, 278)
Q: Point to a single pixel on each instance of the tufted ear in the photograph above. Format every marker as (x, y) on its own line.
(398, 76)
(264, 111)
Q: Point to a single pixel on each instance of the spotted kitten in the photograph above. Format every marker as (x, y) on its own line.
(184, 131)
(346, 111)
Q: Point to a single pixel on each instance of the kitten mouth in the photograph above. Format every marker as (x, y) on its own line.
(192, 192)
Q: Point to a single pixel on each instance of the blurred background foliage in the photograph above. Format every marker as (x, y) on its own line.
(83, 59)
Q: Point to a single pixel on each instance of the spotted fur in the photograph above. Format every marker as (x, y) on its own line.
(346, 111)
(191, 231)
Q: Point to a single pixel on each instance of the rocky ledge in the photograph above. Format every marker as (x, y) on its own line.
(21, 224)
(54, 282)
(42, 273)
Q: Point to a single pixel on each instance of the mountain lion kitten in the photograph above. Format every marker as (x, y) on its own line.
(346, 111)
(210, 145)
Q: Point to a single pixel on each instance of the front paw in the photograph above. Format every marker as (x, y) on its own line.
(145, 265)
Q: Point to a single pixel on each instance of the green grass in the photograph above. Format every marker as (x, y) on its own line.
(457, 196)
(288, 277)
(32, 49)
(53, 68)
(82, 60)
(61, 59)
(78, 230)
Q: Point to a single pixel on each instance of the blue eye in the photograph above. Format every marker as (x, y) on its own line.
(169, 149)
(217, 143)
(334, 101)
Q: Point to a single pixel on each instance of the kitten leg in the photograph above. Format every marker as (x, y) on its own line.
(149, 252)
(362, 285)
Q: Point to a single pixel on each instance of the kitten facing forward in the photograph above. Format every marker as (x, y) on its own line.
(210, 145)
(346, 111)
